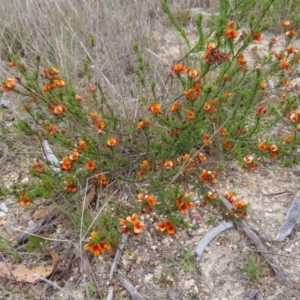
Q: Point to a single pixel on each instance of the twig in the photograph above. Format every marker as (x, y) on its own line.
(210, 236)
(56, 286)
(129, 287)
(260, 244)
(292, 218)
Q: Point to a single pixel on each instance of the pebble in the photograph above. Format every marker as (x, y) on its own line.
(289, 250)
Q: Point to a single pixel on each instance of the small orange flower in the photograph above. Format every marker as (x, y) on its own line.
(99, 123)
(66, 164)
(231, 33)
(211, 195)
(231, 24)
(82, 145)
(206, 139)
(52, 129)
(228, 94)
(287, 24)
(192, 93)
(111, 142)
(50, 73)
(91, 88)
(167, 226)
(102, 179)
(78, 98)
(59, 82)
(149, 198)
(273, 148)
(155, 108)
(294, 117)
(241, 59)
(257, 36)
(224, 131)
(39, 167)
(70, 187)
(288, 139)
(284, 65)
(176, 107)
(191, 115)
(132, 223)
(239, 204)
(185, 203)
(59, 109)
(262, 146)
(285, 82)
(291, 50)
(143, 124)
(261, 111)
(90, 165)
(73, 156)
(24, 200)
(144, 164)
(230, 196)
(207, 177)
(168, 164)
(13, 63)
(290, 33)
(177, 68)
(211, 47)
(8, 85)
(194, 73)
(248, 159)
(96, 244)
(263, 85)
(202, 157)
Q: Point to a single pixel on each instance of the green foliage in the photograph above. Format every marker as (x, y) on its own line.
(254, 267)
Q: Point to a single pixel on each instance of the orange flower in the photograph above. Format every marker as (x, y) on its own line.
(206, 139)
(285, 82)
(230, 196)
(78, 98)
(52, 129)
(211, 195)
(248, 159)
(290, 33)
(59, 82)
(82, 145)
(273, 148)
(257, 36)
(287, 24)
(228, 94)
(231, 24)
(102, 179)
(155, 108)
(224, 131)
(241, 59)
(111, 142)
(149, 198)
(99, 123)
(143, 124)
(50, 73)
(96, 244)
(227, 145)
(294, 117)
(192, 94)
(288, 139)
(70, 187)
(13, 63)
(263, 85)
(91, 88)
(185, 203)
(132, 224)
(261, 111)
(207, 177)
(168, 164)
(144, 164)
(24, 200)
(167, 226)
(262, 146)
(211, 47)
(74, 155)
(231, 33)
(177, 68)
(39, 167)
(291, 50)
(284, 65)
(90, 165)
(194, 73)
(239, 204)
(176, 107)
(191, 115)
(66, 164)
(8, 85)
(59, 109)
(202, 157)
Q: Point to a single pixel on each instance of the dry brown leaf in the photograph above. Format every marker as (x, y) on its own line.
(23, 273)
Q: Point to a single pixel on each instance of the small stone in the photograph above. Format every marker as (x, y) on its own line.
(206, 291)
(153, 247)
(289, 250)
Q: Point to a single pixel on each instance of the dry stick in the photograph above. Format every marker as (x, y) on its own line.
(259, 244)
(56, 286)
(115, 265)
(129, 287)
